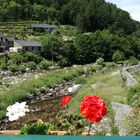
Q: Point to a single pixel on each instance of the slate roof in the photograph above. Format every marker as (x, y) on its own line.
(29, 43)
(44, 26)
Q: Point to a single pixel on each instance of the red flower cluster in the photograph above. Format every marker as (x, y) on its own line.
(65, 100)
(93, 108)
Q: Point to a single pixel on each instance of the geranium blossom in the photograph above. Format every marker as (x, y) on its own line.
(93, 108)
(16, 111)
(65, 100)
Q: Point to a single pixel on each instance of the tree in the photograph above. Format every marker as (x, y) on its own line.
(51, 47)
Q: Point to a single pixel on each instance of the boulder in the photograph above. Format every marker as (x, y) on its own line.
(115, 73)
(74, 88)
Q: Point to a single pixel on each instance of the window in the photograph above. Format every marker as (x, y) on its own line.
(26, 48)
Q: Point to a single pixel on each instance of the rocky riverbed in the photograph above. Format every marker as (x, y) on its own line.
(44, 105)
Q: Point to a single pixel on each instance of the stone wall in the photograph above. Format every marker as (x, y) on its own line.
(127, 75)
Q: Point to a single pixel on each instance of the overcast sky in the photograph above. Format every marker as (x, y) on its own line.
(132, 6)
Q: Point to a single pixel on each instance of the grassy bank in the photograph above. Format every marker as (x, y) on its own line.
(113, 91)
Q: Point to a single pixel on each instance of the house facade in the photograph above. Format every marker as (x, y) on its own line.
(43, 27)
(5, 43)
(22, 45)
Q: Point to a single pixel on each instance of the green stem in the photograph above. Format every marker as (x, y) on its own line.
(89, 129)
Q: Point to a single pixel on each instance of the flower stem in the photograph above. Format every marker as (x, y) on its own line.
(89, 129)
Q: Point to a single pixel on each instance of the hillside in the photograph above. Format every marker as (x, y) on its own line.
(89, 15)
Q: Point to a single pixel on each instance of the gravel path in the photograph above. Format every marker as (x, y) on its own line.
(122, 111)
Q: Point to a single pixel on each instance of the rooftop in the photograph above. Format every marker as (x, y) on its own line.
(44, 26)
(28, 43)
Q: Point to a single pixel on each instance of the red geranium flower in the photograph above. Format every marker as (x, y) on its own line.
(65, 100)
(93, 108)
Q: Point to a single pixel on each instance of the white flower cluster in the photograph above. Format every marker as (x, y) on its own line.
(16, 111)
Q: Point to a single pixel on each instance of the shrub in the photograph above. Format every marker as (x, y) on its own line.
(16, 58)
(132, 61)
(38, 128)
(100, 61)
(109, 65)
(118, 56)
(80, 80)
(133, 96)
(97, 67)
(63, 61)
(31, 65)
(28, 56)
(3, 66)
(74, 125)
(13, 68)
(22, 68)
(45, 64)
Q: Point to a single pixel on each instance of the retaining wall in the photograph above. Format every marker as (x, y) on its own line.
(127, 75)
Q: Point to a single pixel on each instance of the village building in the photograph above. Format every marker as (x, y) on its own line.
(5, 43)
(43, 28)
(22, 45)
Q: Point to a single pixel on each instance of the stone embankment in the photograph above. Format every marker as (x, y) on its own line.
(127, 75)
(121, 110)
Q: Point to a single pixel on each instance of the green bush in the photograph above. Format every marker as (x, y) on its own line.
(31, 65)
(97, 67)
(100, 61)
(63, 61)
(39, 128)
(13, 68)
(133, 96)
(74, 125)
(80, 80)
(16, 58)
(109, 65)
(132, 61)
(3, 66)
(22, 68)
(45, 64)
(118, 56)
(28, 56)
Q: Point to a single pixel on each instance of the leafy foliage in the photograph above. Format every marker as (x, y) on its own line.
(118, 56)
(80, 80)
(87, 48)
(133, 97)
(45, 64)
(38, 128)
(74, 125)
(131, 61)
(31, 65)
(13, 68)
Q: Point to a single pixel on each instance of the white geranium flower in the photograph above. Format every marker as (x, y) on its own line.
(16, 111)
